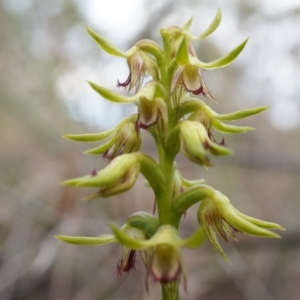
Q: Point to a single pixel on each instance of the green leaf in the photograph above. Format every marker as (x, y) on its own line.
(82, 240)
(221, 62)
(105, 44)
(212, 27)
(241, 114)
(111, 96)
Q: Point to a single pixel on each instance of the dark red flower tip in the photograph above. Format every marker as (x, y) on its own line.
(125, 83)
(94, 172)
(199, 91)
(130, 263)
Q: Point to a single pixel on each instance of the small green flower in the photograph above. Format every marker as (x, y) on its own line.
(166, 264)
(140, 63)
(218, 216)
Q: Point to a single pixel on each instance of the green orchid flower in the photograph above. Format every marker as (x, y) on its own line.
(217, 216)
(166, 265)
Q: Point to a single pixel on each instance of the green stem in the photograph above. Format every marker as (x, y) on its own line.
(166, 295)
(166, 162)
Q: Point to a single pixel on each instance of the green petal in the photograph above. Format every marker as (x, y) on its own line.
(212, 27)
(221, 62)
(241, 114)
(82, 240)
(111, 96)
(105, 44)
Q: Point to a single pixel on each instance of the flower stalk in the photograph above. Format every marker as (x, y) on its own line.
(172, 108)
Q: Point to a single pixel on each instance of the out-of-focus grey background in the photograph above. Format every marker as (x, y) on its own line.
(46, 56)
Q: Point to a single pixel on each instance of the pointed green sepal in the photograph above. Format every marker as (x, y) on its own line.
(105, 44)
(111, 96)
(221, 62)
(93, 137)
(82, 240)
(212, 27)
(241, 114)
(225, 128)
(89, 137)
(260, 223)
(101, 149)
(182, 55)
(187, 25)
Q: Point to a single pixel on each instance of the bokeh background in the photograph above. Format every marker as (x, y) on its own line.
(46, 56)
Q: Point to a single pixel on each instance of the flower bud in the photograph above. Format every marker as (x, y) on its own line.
(195, 143)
